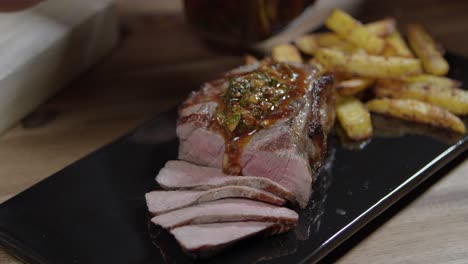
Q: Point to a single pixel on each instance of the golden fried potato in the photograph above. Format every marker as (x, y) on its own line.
(342, 76)
(326, 39)
(434, 80)
(396, 46)
(368, 65)
(453, 99)
(426, 49)
(370, 43)
(320, 68)
(286, 53)
(310, 43)
(353, 31)
(353, 86)
(417, 111)
(249, 59)
(381, 28)
(354, 118)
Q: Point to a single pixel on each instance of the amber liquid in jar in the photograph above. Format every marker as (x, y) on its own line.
(240, 23)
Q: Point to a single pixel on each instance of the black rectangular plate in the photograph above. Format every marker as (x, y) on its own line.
(93, 211)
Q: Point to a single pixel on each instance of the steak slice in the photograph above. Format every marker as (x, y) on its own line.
(208, 239)
(184, 175)
(198, 144)
(159, 202)
(289, 152)
(226, 210)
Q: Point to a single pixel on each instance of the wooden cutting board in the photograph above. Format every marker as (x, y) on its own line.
(45, 47)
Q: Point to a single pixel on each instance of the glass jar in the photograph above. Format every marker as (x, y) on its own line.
(241, 23)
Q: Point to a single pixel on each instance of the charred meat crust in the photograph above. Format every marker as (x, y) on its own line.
(323, 118)
(289, 151)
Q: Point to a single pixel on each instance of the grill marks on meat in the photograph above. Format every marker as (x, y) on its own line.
(184, 175)
(199, 145)
(164, 201)
(322, 120)
(207, 210)
(281, 152)
(207, 239)
(227, 210)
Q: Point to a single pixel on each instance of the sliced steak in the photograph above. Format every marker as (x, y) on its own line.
(207, 239)
(159, 202)
(289, 152)
(184, 175)
(226, 210)
(292, 151)
(198, 144)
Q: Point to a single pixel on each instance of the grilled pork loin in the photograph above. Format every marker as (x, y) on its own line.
(260, 133)
(184, 175)
(288, 150)
(226, 210)
(207, 239)
(164, 201)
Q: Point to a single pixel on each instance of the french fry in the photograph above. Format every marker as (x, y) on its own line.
(368, 65)
(353, 86)
(362, 38)
(354, 118)
(353, 31)
(249, 59)
(286, 53)
(326, 39)
(320, 68)
(348, 143)
(310, 43)
(439, 81)
(375, 54)
(381, 28)
(396, 46)
(426, 49)
(453, 99)
(416, 111)
(342, 76)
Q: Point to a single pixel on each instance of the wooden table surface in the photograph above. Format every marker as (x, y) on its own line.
(138, 79)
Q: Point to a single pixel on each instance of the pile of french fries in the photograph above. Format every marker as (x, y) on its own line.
(407, 82)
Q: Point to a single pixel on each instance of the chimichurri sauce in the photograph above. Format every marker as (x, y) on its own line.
(254, 101)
